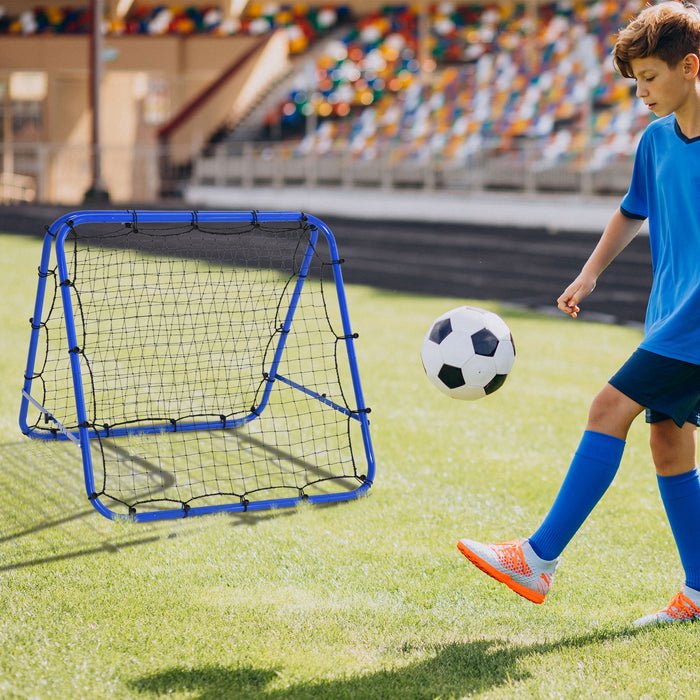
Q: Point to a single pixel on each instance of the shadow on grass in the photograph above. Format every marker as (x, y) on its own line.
(43, 498)
(109, 545)
(454, 670)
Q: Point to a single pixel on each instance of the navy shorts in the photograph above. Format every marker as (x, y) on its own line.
(668, 389)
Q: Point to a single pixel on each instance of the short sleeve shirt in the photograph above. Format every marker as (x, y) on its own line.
(665, 188)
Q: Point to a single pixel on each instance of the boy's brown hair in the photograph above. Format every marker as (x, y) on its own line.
(669, 31)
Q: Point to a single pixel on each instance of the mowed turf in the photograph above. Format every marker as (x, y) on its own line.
(367, 599)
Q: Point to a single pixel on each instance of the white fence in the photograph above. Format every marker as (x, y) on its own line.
(60, 174)
(16, 188)
(277, 165)
(52, 173)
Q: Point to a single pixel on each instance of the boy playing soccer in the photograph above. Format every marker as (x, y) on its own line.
(660, 49)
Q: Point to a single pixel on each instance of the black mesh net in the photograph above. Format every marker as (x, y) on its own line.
(213, 365)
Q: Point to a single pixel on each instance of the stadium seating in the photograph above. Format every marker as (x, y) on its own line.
(497, 80)
(503, 80)
(303, 25)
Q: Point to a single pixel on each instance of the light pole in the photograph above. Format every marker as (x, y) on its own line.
(97, 191)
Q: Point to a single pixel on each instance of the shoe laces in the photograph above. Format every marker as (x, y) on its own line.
(681, 607)
(511, 556)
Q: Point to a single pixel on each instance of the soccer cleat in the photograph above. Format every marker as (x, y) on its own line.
(680, 609)
(513, 563)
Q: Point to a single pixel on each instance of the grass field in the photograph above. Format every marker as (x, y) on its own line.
(367, 599)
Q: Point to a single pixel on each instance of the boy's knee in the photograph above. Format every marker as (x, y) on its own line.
(605, 405)
(672, 448)
(612, 412)
(600, 406)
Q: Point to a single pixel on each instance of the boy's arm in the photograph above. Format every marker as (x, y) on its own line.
(618, 233)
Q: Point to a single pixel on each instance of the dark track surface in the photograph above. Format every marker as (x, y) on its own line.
(528, 267)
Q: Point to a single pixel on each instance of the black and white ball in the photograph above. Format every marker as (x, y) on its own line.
(468, 352)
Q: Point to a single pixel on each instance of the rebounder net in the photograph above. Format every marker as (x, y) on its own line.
(200, 361)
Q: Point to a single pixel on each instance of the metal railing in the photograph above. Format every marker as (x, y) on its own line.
(17, 188)
(54, 173)
(62, 174)
(277, 165)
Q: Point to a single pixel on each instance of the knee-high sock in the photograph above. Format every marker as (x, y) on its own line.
(591, 472)
(681, 497)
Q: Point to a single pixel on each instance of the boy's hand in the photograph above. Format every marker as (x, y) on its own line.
(579, 289)
(618, 233)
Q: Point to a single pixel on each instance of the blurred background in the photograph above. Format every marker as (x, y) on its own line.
(133, 101)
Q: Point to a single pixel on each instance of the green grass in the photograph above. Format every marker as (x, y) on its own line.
(367, 599)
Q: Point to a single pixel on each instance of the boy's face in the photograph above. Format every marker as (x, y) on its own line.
(664, 89)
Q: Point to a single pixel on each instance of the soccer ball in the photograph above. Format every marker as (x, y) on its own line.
(468, 352)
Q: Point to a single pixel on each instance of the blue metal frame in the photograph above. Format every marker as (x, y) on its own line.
(54, 242)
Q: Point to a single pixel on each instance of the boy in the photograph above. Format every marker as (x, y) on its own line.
(660, 49)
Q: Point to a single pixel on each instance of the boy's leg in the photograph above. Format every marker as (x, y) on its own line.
(527, 566)
(591, 472)
(681, 497)
(674, 450)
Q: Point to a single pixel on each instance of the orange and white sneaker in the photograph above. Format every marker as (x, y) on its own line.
(513, 563)
(684, 607)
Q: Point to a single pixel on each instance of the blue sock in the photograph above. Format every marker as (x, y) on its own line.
(591, 472)
(681, 497)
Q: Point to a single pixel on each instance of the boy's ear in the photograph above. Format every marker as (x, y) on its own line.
(691, 66)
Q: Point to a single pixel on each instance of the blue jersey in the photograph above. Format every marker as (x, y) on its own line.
(665, 188)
